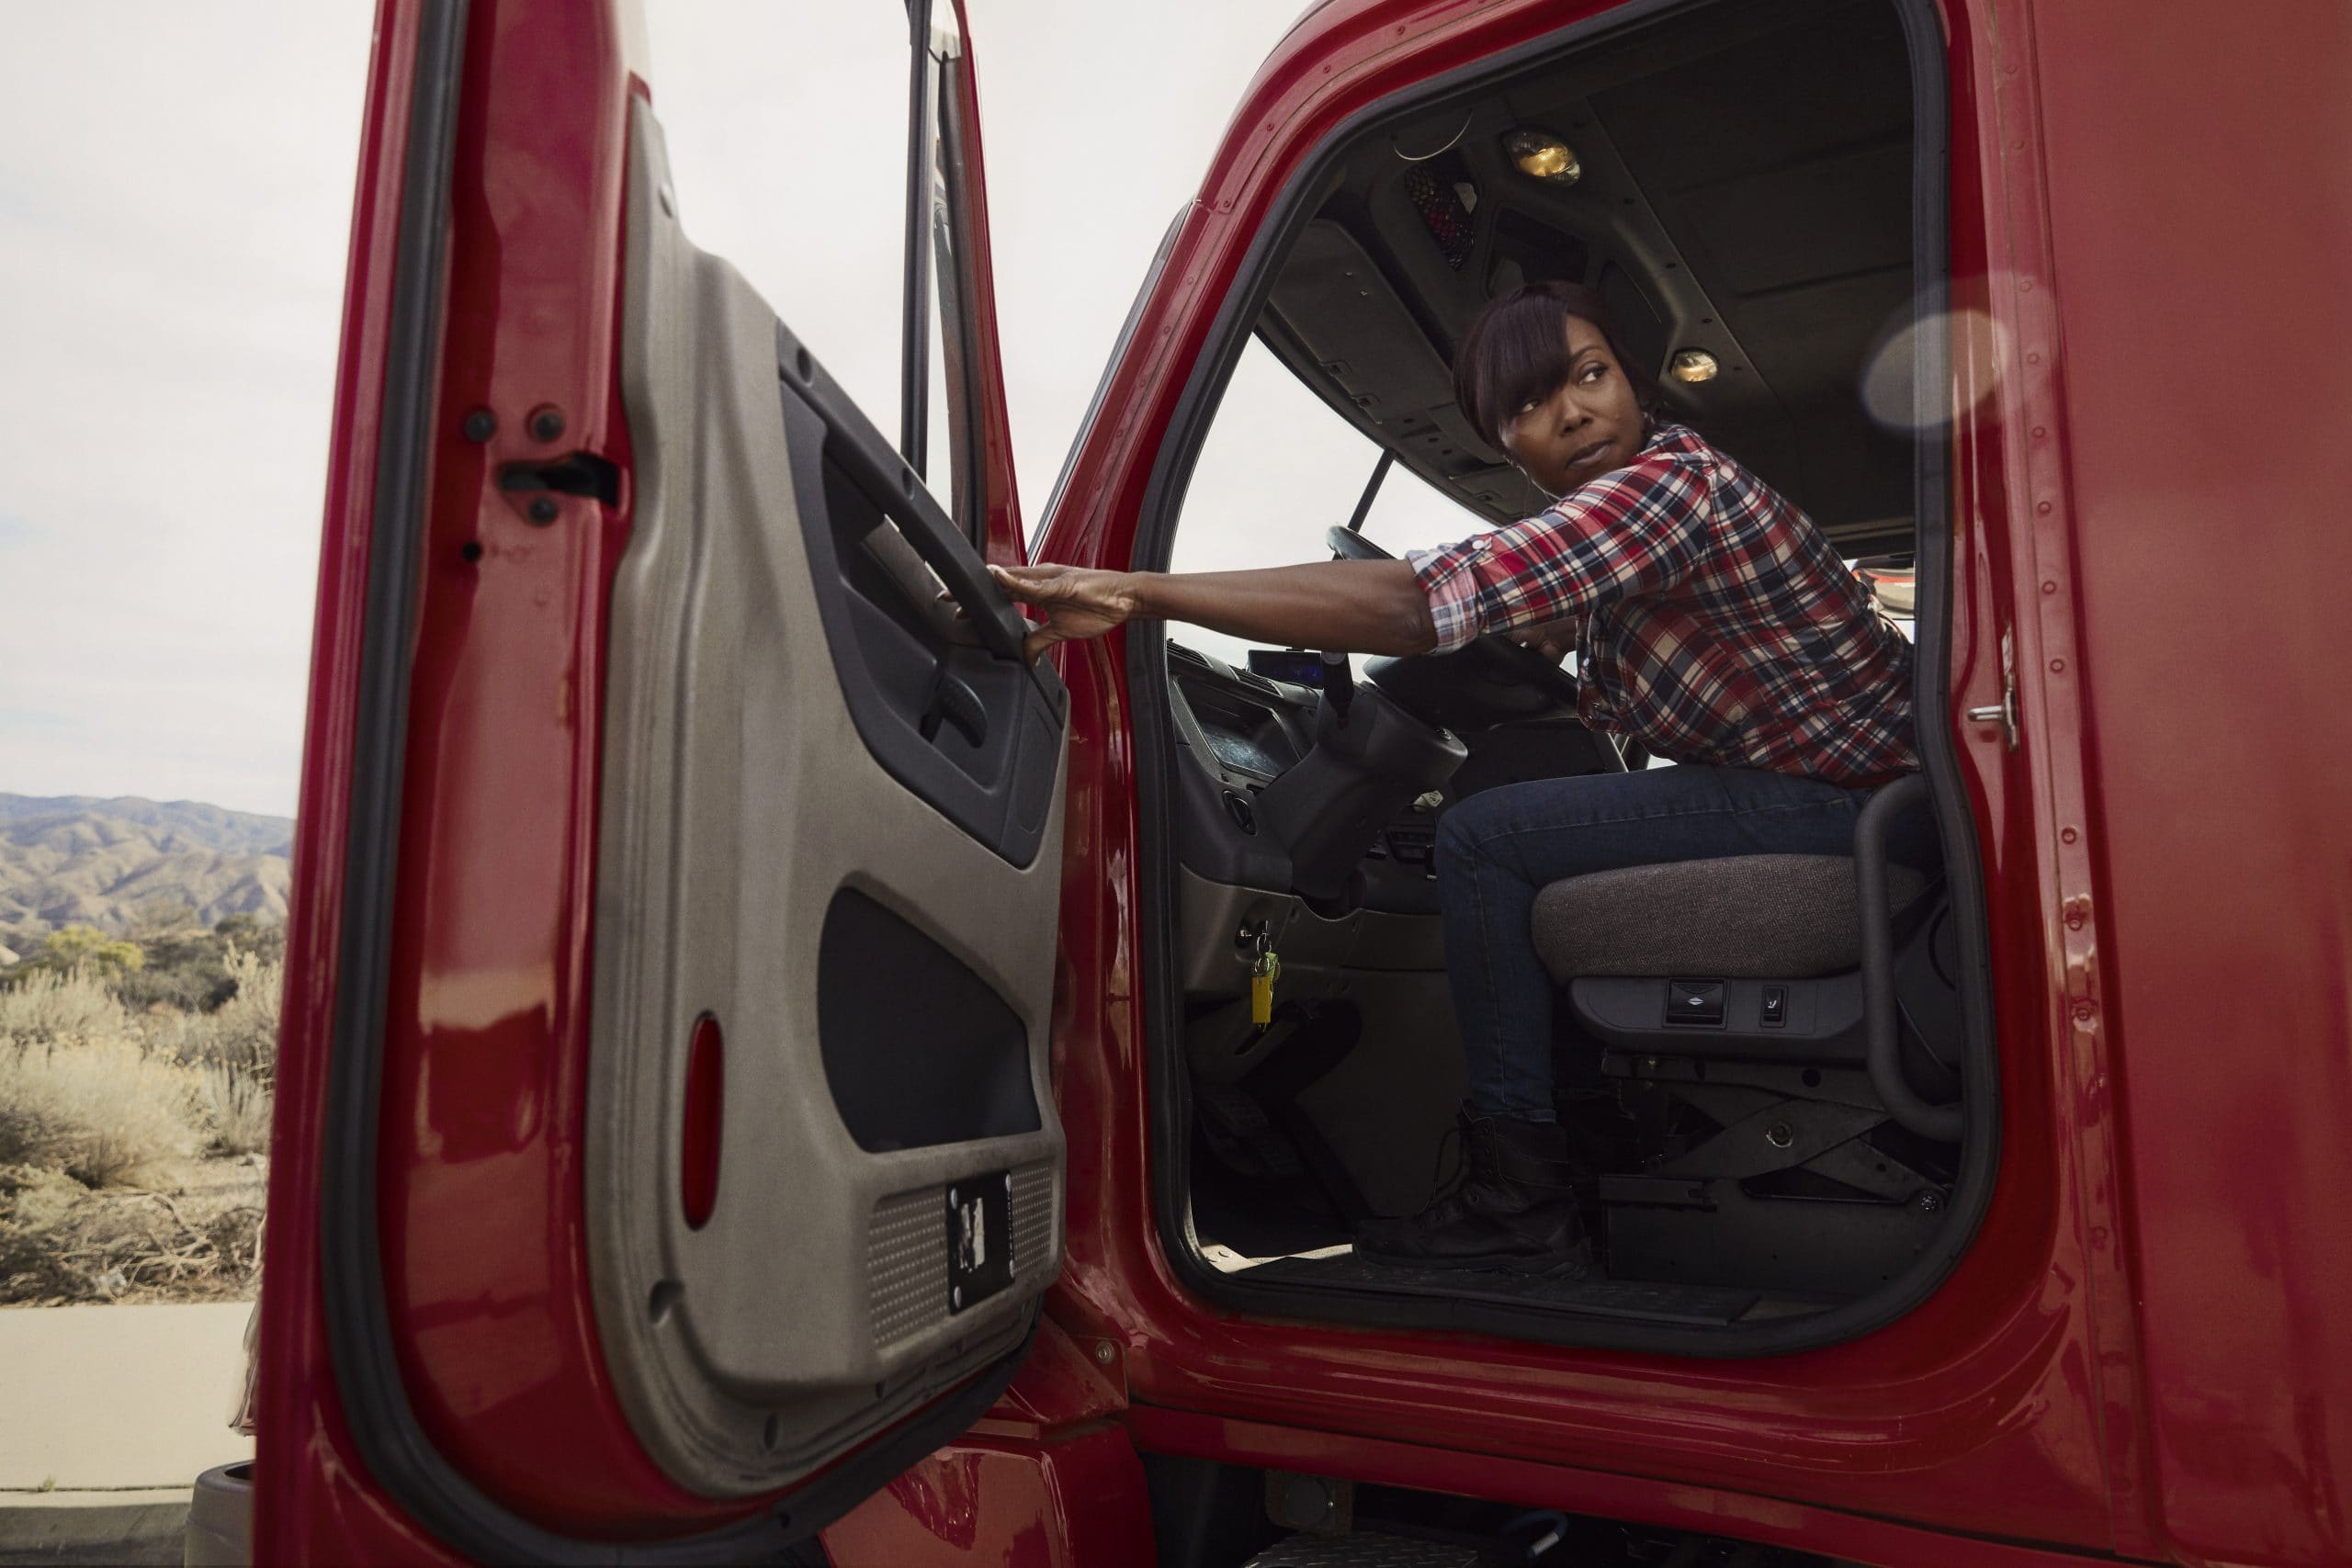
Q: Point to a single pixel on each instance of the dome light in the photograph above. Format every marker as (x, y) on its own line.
(1692, 365)
(1544, 156)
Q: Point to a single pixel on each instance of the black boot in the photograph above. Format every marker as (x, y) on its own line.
(1512, 1208)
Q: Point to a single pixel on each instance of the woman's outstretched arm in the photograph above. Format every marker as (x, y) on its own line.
(1357, 606)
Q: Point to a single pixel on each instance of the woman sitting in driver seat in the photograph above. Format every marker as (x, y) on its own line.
(1713, 621)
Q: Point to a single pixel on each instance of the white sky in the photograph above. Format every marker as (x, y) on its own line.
(174, 195)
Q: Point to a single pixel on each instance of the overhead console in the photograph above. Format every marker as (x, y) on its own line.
(1744, 210)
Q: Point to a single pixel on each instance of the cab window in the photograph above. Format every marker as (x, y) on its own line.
(782, 127)
(1278, 468)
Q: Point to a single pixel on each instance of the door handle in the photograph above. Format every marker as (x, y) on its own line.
(953, 702)
(854, 443)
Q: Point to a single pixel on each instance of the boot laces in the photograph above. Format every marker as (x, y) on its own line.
(1476, 1157)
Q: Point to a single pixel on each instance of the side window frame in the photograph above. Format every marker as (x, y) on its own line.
(938, 268)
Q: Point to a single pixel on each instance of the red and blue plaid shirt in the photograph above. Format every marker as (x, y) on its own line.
(1719, 624)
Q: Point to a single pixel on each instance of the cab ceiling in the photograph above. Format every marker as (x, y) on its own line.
(1747, 190)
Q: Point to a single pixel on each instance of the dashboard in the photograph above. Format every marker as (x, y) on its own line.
(1238, 732)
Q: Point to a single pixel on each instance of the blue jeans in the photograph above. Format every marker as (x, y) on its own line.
(1500, 847)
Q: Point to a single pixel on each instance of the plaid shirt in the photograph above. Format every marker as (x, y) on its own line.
(1719, 625)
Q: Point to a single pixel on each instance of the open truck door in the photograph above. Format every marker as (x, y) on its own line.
(665, 1157)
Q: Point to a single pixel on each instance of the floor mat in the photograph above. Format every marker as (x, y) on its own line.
(1647, 1300)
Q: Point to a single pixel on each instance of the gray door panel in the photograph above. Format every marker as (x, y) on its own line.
(856, 876)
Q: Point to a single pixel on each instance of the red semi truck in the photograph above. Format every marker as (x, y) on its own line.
(771, 1074)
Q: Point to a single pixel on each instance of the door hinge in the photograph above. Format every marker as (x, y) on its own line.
(2005, 712)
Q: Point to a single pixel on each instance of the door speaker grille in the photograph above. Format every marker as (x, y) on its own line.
(906, 1251)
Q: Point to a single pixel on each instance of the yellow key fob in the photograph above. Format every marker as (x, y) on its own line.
(1261, 990)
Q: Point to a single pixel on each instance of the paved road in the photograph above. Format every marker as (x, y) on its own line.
(76, 1537)
(107, 1415)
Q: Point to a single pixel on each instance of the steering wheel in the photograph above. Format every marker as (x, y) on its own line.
(1492, 676)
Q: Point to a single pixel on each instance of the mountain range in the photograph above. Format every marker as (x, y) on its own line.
(76, 859)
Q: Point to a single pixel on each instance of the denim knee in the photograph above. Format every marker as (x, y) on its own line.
(1460, 831)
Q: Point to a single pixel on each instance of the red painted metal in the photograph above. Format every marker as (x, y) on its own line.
(2140, 1354)
(309, 1505)
(1005, 542)
(1079, 1503)
(479, 1192)
(1045, 1480)
(1525, 1482)
(2212, 969)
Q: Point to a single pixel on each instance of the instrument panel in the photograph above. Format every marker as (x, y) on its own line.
(1242, 731)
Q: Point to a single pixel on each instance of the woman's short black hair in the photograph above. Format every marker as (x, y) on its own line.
(1517, 349)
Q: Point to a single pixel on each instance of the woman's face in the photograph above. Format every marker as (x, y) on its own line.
(1584, 427)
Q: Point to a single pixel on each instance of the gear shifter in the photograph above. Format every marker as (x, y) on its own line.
(1339, 685)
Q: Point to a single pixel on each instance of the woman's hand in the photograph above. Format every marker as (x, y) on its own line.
(1554, 640)
(1079, 602)
(1363, 606)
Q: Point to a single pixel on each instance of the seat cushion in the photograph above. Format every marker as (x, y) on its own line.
(1751, 917)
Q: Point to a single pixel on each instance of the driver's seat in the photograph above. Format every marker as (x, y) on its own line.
(1726, 997)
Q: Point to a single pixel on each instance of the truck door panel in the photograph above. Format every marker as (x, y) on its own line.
(760, 676)
(666, 1158)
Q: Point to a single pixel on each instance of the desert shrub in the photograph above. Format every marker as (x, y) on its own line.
(235, 1103)
(35, 1209)
(242, 1033)
(103, 1110)
(251, 934)
(189, 968)
(174, 988)
(80, 948)
(55, 1007)
(61, 1242)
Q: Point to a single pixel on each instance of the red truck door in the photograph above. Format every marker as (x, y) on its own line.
(666, 1156)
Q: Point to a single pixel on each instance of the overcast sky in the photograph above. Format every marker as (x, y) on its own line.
(174, 196)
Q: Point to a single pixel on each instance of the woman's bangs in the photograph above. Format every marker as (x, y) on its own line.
(1527, 357)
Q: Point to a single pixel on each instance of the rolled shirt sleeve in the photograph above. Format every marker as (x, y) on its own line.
(1641, 529)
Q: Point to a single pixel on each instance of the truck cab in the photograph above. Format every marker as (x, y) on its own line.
(773, 1073)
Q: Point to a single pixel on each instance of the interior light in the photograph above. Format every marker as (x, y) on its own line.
(1544, 156)
(1692, 365)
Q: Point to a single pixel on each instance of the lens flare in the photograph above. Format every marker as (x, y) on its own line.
(1965, 348)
